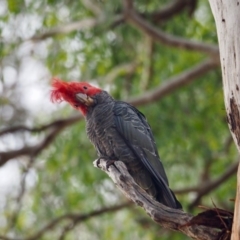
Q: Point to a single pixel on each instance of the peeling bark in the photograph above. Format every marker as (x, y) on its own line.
(227, 18)
(234, 119)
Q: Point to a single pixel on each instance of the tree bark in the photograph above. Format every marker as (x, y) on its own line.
(227, 18)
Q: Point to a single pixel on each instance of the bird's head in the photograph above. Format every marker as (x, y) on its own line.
(78, 94)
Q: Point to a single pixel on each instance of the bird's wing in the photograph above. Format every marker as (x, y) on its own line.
(133, 127)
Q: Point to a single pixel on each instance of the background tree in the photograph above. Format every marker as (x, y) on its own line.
(160, 56)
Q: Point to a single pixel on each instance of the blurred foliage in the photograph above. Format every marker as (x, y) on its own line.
(189, 125)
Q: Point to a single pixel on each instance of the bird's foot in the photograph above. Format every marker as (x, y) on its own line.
(108, 162)
(99, 159)
(97, 162)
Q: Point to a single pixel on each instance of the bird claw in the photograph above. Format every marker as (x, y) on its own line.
(97, 161)
(108, 162)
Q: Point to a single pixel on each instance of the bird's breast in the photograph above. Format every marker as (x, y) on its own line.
(100, 124)
(102, 132)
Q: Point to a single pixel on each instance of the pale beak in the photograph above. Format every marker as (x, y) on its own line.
(85, 99)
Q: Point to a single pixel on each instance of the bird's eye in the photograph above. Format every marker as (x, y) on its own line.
(76, 105)
(84, 87)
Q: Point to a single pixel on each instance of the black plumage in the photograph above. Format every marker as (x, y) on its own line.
(120, 132)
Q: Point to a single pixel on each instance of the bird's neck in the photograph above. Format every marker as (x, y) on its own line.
(83, 109)
(100, 99)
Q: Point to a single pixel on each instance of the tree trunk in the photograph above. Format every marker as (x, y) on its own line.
(227, 18)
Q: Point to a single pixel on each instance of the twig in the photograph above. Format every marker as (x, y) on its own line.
(14, 217)
(67, 28)
(70, 226)
(122, 69)
(225, 225)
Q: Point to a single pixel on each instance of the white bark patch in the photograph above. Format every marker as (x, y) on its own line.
(227, 18)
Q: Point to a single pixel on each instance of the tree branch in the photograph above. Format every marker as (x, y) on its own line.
(93, 7)
(122, 69)
(67, 28)
(210, 185)
(159, 36)
(173, 219)
(174, 83)
(73, 217)
(56, 128)
(147, 61)
(164, 13)
(56, 123)
(173, 8)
